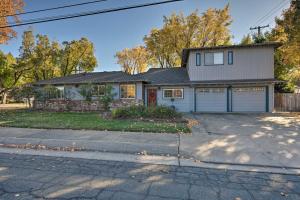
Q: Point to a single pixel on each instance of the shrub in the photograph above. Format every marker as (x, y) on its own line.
(161, 112)
(108, 97)
(86, 91)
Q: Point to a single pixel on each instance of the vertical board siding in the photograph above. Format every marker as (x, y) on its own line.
(286, 102)
(251, 63)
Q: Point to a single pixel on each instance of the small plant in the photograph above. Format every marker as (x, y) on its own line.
(86, 91)
(159, 112)
(108, 97)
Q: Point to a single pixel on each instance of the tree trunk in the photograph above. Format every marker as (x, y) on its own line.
(4, 98)
(28, 102)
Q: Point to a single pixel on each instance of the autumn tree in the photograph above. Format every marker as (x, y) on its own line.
(76, 56)
(247, 39)
(10, 74)
(132, 61)
(178, 32)
(9, 8)
(287, 57)
(48, 59)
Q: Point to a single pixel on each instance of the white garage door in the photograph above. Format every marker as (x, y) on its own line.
(249, 99)
(211, 100)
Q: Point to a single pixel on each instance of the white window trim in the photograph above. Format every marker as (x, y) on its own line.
(98, 91)
(213, 58)
(127, 97)
(173, 89)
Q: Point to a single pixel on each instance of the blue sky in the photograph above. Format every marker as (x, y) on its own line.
(113, 32)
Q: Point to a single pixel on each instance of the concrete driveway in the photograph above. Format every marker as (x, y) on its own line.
(254, 139)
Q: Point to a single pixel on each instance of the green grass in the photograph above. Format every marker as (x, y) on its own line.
(88, 121)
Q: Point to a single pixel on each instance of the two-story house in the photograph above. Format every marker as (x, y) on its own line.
(235, 78)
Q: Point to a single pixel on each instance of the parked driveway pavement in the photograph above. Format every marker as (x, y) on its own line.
(253, 139)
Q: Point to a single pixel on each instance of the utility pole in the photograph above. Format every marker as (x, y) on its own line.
(259, 28)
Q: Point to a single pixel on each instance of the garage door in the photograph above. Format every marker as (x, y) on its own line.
(211, 100)
(249, 99)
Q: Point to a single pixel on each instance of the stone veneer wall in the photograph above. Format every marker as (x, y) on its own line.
(81, 105)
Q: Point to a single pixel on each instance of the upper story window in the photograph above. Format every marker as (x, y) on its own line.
(198, 59)
(230, 57)
(214, 58)
(173, 93)
(127, 91)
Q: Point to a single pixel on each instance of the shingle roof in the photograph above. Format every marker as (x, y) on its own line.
(165, 76)
(94, 77)
(185, 52)
(155, 76)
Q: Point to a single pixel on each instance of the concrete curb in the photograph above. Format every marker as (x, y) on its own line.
(146, 159)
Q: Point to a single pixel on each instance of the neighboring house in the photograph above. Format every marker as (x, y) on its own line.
(236, 78)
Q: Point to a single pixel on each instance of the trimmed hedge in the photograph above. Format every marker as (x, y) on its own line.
(158, 112)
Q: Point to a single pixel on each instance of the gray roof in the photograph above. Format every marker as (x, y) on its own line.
(94, 77)
(165, 76)
(155, 76)
(185, 52)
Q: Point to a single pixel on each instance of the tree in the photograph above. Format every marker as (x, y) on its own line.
(10, 73)
(24, 92)
(9, 7)
(135, 60)
(287, 57)
(247, 39)
(178, 32)
(77, 56)
(48, 59)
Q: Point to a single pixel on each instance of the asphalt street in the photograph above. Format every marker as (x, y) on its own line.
(43, 177)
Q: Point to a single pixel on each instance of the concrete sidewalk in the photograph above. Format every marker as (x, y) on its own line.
(103, 141)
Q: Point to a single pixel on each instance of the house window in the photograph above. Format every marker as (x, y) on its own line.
(230, 57)
(214, 58)
(127, 91)
(198, 59)
(173, 93)
(60, 92)
(98, 90)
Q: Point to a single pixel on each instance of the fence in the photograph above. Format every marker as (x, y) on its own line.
(287, 102)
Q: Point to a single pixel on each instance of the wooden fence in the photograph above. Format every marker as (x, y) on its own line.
(287, 102)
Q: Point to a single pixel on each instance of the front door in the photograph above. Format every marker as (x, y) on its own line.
(152, 97)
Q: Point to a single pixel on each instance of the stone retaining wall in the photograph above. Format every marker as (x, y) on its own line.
(81, 105)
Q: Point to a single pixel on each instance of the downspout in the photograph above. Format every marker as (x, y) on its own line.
(195, 107)
(267, 98)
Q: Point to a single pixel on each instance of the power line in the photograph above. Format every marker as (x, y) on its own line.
(268, 15)
(70, 16)
(54, 8)
(271, 12)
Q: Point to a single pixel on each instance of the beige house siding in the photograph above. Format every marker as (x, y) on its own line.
(248, 63)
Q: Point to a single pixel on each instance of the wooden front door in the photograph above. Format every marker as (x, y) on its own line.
(152, 97)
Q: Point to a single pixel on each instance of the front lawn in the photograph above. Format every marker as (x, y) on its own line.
(91, 121)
